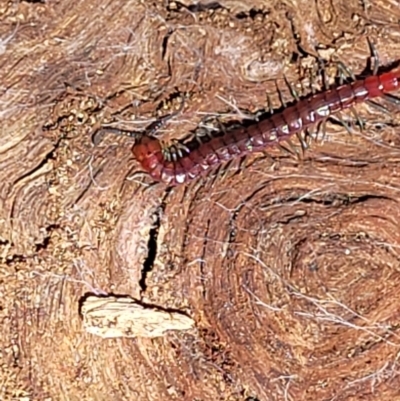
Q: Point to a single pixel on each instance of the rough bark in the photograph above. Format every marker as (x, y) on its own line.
(289, 268)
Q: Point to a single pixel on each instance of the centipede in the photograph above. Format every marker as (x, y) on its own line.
(179, 165)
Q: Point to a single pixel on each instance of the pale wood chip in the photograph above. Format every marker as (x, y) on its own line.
(113, 317)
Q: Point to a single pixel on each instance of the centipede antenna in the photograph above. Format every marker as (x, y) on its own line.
(375, 56)
(98, 135)
(153, 128)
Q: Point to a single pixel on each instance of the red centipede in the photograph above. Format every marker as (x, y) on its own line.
(197, 158)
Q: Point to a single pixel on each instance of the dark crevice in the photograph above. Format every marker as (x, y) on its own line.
(164, 44)
(196, 8)
(297, 37)
(20, 258)
(333, 199)
(366, 198)
(87, 295)
(152, 252)
(152, 243)
(49, 156)
(176, 94)
(233, 230)
(46, 241)
(203, 254)
(15, 259)
(251, 14)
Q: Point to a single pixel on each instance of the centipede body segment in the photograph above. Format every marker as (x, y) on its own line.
(262, 134)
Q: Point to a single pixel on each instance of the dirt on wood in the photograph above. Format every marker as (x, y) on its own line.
(283, 269)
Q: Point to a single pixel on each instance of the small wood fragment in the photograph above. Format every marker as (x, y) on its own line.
(113, 317)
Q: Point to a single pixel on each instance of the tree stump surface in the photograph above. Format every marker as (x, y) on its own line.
(284, 270)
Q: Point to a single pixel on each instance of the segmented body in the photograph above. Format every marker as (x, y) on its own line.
(201, 157)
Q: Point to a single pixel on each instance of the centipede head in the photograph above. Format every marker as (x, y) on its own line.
(146, 148)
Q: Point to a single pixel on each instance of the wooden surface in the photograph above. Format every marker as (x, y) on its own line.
(288, 268)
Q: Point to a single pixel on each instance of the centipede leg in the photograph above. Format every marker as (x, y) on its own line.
(293, 91)
(98, 134)
(284, 149)
(338, 118)
(378, 106)
(291, 149)
(270, 105)
(143, 176)
(324, 77)
(311, 135)
(268, 109)
(303, 144)
(267, 155)
(281, 98)
(322, 128)
(175, 151)
(359, 120)
(392, 99)
(222, 170)
(204, 130)
(295, 95)
(345, 73)
(375, 56)
(312, 81)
